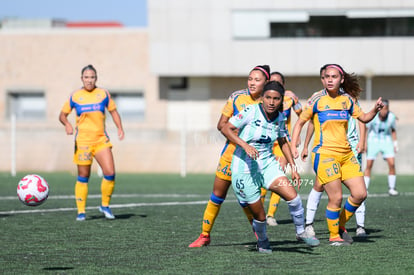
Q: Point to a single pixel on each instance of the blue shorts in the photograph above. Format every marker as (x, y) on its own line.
(375, 146)
(247, 187)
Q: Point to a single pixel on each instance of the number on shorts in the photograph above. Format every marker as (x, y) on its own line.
(239, 184)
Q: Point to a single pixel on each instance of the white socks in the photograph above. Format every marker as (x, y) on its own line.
(312, 205)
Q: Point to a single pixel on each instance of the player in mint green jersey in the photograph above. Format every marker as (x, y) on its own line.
(382, 138)
(254, 164)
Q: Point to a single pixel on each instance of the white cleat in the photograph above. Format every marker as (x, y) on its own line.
(271, 221)
(393, 192)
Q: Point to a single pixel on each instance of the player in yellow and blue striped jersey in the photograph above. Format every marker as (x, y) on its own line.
(91, 139)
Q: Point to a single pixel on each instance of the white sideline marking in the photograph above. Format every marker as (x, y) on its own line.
(112, 206)
(126, 205)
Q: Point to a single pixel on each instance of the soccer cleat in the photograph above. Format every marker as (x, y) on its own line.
(81, 217)
(345, 236)
(264, 247)
(107, 212)
(360, 232)
(308, 239)
(393, 192)
(202, 240)
(271, 221)
(309, 230)
(338, 242)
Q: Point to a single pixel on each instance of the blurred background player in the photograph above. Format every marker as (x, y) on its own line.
(91, 139)
(357, 142)
(332, 156)
(290, 102)
(382, 138)
(254, 165)
(237, 101)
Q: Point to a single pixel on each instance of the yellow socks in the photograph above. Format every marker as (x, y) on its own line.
(107, 188)
(332, 219)
(273, 204)
(347, 212)
(210, 215)
(81, 194)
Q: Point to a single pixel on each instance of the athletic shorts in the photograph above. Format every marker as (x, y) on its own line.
(84, 153)
(375, 146)
(331, 167)
(223, 170)
(247, 187)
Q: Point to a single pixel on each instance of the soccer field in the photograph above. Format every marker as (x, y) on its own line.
(158, 216)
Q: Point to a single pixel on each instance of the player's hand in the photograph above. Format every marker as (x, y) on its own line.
(294, 150)
(121, 134)
(304, 154)
(251, 152)
(360, 147)
(379, 105)
(395, 146)
(296, 179)
(69, 129)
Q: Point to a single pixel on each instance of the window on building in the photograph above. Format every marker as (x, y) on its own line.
(178, 83)
(344, 26)
(130, 105)
(27, 105)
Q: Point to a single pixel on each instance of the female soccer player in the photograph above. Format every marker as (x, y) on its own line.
(254, 164)
(91, 139)
(290, 102)
(332, 156)
(382, 138)
(237, 101)
(358, 145)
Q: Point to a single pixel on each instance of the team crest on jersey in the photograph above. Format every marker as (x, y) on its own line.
(343, 105)
(327, 107)
(257, 122)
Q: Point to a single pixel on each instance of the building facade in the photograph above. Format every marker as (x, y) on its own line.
(171, 79)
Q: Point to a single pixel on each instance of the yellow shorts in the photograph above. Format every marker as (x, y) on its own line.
(223, 170)
(332, 167)
(84, 153)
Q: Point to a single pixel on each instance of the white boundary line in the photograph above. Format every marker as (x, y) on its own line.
(130, 205)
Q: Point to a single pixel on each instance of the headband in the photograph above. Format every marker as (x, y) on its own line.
(336, 67)
(263, 70)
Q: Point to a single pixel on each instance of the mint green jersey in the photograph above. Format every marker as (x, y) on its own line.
(259, 132)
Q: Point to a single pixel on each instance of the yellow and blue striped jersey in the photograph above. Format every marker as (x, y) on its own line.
(236, 102)
(90, 114)
(330, 117)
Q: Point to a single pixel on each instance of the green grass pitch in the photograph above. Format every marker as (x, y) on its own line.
(158, 216)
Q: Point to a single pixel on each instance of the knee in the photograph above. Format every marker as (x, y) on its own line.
(335, 200)
(362, 196)
(359, 197)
